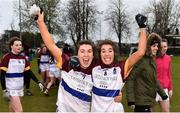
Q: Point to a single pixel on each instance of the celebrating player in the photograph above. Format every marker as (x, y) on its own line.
(110, 74)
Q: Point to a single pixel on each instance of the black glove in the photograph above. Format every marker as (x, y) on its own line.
(74, 61)
(164, 97)
(141, 20)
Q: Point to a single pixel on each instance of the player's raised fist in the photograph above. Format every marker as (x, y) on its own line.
(34, 11)
(141, 20)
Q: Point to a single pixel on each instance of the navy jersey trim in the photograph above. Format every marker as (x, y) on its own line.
(75, 93)
(14, 75)
(105, 92)
(44, 62)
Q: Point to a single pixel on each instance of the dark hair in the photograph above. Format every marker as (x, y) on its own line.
(152, 39)
(86, 42)
(68, 49)
(108, 42)
(164, 40)
(44, 46)
(12, 40)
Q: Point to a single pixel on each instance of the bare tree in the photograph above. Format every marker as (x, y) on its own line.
(164, 16)
(79, 19)
(118, 20)
(52, 17)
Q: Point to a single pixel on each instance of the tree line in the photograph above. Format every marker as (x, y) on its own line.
(76, 20)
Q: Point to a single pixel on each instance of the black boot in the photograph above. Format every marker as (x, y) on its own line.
(28, 93)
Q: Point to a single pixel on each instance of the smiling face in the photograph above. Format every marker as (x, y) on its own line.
(44, 49)
(107, 54)
(85, 55)
(154, 49)
(153, 45)
(164, 47)
(16, 48)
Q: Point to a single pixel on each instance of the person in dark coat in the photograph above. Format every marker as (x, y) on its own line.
(142, 84)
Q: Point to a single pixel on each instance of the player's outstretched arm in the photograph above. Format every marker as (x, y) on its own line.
(141, 21)
(48, 40)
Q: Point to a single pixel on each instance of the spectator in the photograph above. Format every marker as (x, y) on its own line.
(142, 84)
(163, 63)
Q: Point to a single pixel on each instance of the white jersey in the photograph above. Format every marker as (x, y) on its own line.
(14, 65)
(14, 74)
(44, 58)
(74, 93)
(44, 62)
(107, 83)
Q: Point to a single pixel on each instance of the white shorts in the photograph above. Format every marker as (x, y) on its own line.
(158, 97)
(55, 74)
(16, 92)
(44, 67)
(54, 71)
(118, 107)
